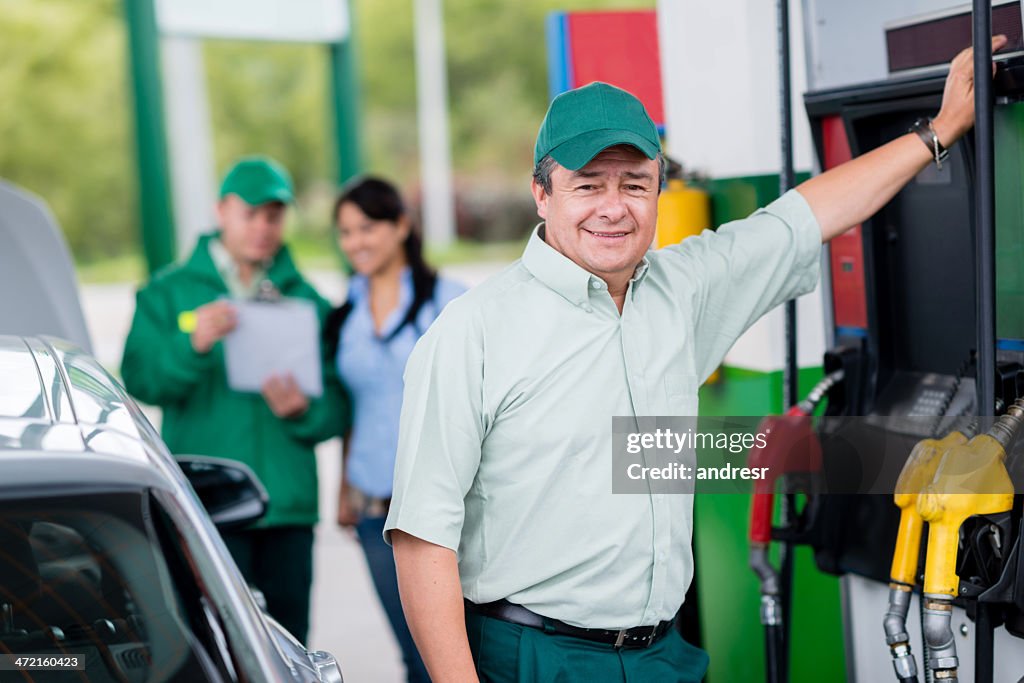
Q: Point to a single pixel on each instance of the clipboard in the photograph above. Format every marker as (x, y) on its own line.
(274, 338)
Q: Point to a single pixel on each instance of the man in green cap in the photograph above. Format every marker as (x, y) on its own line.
(173, 358)
(516, 562)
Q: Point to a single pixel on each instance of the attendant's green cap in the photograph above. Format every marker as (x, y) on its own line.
(258, 180)
(581, 123)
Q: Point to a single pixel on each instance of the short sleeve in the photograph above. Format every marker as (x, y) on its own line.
(441, 431)
(743, 270)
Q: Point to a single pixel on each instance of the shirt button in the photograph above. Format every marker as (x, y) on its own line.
(588, 308)
(597, 285)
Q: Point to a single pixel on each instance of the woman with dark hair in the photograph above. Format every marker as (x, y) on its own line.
(393, 297)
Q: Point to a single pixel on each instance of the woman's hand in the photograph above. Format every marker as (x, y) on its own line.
(348, 517)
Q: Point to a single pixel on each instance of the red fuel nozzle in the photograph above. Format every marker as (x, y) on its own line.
(791, 446)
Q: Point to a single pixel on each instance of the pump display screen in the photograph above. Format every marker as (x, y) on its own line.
(916, 43)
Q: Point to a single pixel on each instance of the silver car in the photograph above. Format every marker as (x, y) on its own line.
(111, 569)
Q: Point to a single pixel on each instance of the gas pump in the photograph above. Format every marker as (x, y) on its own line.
(908, 299)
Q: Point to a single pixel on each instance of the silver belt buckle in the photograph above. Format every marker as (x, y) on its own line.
(369, 506)
(648, 640)
(376, 507)
(620, 638)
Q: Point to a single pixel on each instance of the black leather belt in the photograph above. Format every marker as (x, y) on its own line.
(626, 638)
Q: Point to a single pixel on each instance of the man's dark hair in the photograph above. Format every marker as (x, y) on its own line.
(542, 171)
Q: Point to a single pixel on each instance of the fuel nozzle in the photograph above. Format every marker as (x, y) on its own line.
(791, 446)
(971, 479)
(917, 473)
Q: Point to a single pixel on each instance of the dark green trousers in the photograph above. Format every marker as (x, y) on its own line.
(278, 561)
(509, 653)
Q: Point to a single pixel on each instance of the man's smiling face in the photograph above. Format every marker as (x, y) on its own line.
(602, 217)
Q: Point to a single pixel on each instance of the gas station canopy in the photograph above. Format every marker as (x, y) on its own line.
(307, 21)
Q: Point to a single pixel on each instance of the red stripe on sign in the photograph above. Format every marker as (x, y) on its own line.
(620, 48)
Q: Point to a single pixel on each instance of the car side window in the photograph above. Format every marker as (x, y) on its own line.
(200, 609)
(85, 578)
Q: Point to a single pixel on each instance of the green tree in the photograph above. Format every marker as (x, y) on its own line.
(498, 92)
(270, 98)
(67, 129)
(497, 81)
(64, 121)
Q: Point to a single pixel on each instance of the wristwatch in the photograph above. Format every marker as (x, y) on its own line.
(924, 130)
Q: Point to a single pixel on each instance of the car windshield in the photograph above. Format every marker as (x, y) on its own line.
(87, 576)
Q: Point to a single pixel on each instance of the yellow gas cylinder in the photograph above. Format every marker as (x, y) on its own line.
(682, 211)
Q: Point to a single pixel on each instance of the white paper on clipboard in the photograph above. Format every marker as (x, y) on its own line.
(274, 338)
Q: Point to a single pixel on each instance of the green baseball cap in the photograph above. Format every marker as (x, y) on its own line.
(582, 122)
(258, 180)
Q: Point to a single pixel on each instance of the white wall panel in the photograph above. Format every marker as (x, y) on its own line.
(720, 74)
(846, 44)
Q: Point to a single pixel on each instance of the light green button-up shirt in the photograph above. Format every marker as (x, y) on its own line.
(506, 431)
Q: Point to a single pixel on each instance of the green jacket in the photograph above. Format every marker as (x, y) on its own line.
(201, 414)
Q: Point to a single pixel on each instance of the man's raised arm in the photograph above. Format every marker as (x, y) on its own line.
(853, 192)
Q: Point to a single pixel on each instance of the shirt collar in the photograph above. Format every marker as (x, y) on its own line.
(641, 270)
(359, 286)
(561, 274)
(228, 270)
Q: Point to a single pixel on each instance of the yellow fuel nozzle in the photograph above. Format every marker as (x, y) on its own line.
(971, 479)
(917, 473)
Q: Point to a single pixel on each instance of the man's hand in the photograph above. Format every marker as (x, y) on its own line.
(850, 193)
(214, 321)
(284, 397)
(957, 113)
